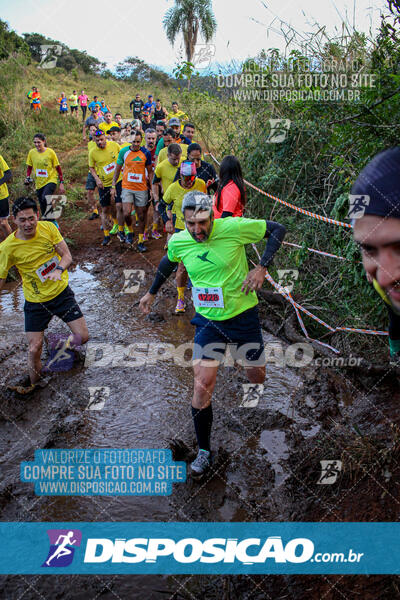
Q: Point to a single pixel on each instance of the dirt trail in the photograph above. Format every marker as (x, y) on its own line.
(267, 457)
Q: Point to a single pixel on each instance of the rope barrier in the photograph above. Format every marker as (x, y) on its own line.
(317, 251)
(297, 307)
(292, 206)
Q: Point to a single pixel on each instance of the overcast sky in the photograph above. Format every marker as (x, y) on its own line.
(112, 31)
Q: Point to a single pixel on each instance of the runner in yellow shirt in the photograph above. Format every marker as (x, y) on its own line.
(42, 257)
(90, 181)
(108, 123)
(5, 177)
(73, 103)
(163, 154)
(173, 198)
(102, 163)
(165, 172)
(43, 163)
(177, 113)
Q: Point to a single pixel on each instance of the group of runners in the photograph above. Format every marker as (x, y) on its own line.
(203, 214)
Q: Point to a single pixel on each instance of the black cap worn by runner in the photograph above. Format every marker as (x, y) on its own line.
(380, 180)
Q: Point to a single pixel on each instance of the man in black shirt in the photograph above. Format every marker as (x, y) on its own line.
(137, 106)
(205, 170)
(147, 123)
(160, 113)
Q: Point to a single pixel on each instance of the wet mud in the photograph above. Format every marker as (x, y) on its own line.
(267, 457)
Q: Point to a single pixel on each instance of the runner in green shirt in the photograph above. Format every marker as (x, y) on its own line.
(224, 296)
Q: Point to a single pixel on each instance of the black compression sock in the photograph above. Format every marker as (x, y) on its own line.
(202, 419)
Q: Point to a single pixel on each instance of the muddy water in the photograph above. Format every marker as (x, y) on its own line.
(147, 407)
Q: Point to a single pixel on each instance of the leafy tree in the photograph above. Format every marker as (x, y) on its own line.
(135, 69)
(189, 17)
(11, 42)
(68, 59)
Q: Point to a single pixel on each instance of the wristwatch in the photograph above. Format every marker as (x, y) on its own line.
(60, 268)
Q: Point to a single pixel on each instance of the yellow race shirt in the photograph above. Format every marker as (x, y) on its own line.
(3, 188)
(104, 162)
(91, 144)
(165, 172)
(175, 193)
(34, 258)
(43, 166)
(73, 99)
(106, 126)
(163, 154)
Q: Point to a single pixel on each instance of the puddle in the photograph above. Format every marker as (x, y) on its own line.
(274, 442)
(146, 406)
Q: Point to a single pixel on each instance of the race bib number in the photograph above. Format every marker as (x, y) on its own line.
(135, 177)
(41, 172)
(47, 268)
(109, 168)
(208, 297)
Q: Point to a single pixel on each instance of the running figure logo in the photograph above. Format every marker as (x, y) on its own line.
(252, 392)
(357, 206)
(279, 130)
(203, 53)
(287, 279)
(98, 397)
(54, 206)
(62, 546)
(330, 470)
(133, 279)
(49, 54)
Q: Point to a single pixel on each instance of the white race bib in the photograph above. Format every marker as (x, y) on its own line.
(135, 177)
(208, 297)
(109, 168)
(41, 172)
(47, 267)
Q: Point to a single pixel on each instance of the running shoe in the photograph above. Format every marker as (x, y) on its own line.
(93, 216)
(24, 385)
(201, 463)
(121, 236)
(106, 240)
(141, 247)
(145, 236)
(155, 235)
(129, 238)
(180, 306)
(126, 230)
(114, 230)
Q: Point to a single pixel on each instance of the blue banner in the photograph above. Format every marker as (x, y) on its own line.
(200, 548)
